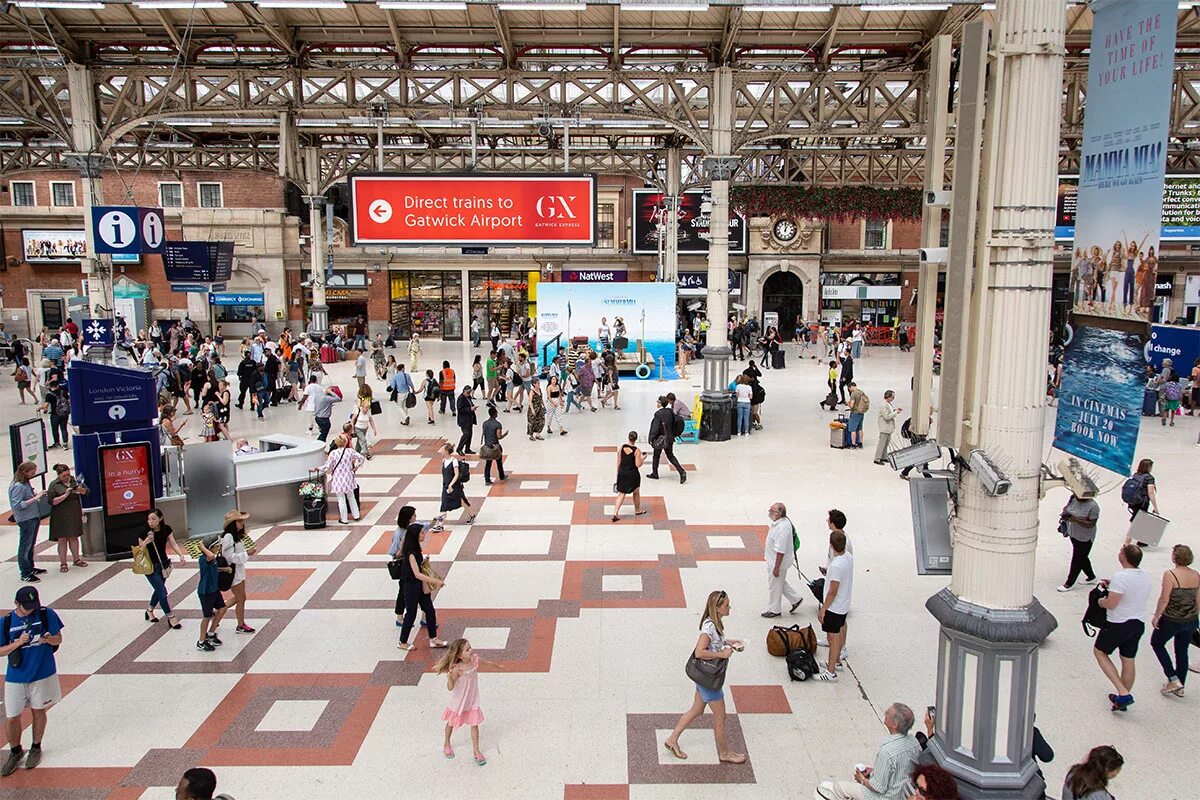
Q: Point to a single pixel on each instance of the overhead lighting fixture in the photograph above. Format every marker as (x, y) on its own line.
(300, 3)
(907, 7)
(678, 7)
(151, 5)
(63, 4)
(788, 8)
(542, 6)
(421, 5)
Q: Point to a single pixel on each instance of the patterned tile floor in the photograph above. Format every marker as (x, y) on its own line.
(591, 621)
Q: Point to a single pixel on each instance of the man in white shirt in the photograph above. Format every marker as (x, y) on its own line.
(839, 583)
(836, 521)
(1128, 591)
(360, 368)
(309, 403)
(781, 543)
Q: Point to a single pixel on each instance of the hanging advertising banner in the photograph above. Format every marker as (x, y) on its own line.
(463, 210)
(693, 223)
(1100, 400)
(1123, 159)
(646, 312)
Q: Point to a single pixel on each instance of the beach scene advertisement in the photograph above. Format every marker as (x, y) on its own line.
(646, 311)
(1100, 400)
(1123, 158)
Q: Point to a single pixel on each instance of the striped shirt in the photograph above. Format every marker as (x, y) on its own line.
(893, 764)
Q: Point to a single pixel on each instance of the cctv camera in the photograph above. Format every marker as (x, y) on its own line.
(1078, 481)
(545, 130)
(939, 199)
(934, 255)
(994, 481)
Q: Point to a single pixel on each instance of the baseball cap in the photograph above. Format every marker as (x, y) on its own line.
(27, 598)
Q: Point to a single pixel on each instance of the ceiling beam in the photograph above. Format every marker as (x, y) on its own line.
(733, 26)
(502, 33)
(257, 18)
(830, 35)
(397, 40)
(169, 27)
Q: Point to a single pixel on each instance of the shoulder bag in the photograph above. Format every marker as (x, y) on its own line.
(707, 672)
(396, 567)
(489, 452)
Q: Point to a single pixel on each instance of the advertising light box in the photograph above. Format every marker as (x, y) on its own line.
(462, 210)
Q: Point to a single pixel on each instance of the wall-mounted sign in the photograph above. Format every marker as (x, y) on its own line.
(1164, 285)
(198, 288)
(595, 275)
(695, 284)
(860, 292)
(236, 298)
(128, 229)
(693, 223)
(128, 482)
(461, 210)
(54, 246)
(198, 262)
(344, 295)
(1180, 211)
(97, 332)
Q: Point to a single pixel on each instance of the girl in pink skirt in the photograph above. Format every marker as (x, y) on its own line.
(461, 666)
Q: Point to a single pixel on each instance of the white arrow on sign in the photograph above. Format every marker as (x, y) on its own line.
(381, 210)
(117, 229)
(152, 230)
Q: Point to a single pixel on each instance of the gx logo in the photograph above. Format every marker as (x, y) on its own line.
(555, 206)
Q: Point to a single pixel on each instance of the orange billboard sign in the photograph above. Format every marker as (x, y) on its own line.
(496, 210)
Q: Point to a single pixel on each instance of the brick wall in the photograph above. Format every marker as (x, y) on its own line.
(239, 188)
(845, 235)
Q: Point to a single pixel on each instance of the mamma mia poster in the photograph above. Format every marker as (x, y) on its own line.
(645, 310)
(1123, 157)
(1100, 400)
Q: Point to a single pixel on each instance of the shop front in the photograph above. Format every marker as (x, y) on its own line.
(502, 297)
(428, 303)
(872, 298)
(346, 294)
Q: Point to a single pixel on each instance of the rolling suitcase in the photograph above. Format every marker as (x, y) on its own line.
(314, 513)
(777, 359)
(328, 354)
(837, 432)
(1150, 403)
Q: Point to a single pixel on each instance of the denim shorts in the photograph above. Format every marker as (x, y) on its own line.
(711, 695)
(855, 423)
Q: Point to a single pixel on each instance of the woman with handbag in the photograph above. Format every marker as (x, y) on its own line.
(537, 411)
(341, 466)
(454, 470)
(66, 515)
(706, 667)
(363, 420)
(406, 516)
(417, 584)
(235, 552)
(159, 538)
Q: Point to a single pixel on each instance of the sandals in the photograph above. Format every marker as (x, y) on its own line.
(615, 518)
(63, 567)
(480, 760)
(639, 513)
(448, 751)
(733, 758)
(675, 751)
(406, 647)
(439, 643)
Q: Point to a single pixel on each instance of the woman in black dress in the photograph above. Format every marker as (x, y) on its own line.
(453, 494)
(629, 476)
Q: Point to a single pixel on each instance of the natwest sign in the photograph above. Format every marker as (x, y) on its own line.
(496, 210)
(595, 275)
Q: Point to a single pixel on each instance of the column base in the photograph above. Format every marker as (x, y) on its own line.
(320, 317)
(987, 687)
(716, 420)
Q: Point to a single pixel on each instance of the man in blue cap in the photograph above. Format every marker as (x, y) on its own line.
(29, 635)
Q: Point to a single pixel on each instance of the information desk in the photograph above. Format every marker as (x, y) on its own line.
(268, 482)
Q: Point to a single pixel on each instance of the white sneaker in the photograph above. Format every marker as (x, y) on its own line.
(827, 676)
(822, 643)
(1065, 588)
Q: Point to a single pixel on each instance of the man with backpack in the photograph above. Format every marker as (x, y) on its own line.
(29, 636)
(58, 404)
(665, 425)
(1128, 590)
(1170, 392)
(860, 404)
(781, 540)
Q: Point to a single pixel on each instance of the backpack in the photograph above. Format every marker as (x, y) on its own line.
(677, 428)
(757, 393)
(1172, 391)
(864, 404)
(464, 472)
(62, 406)
(1133, 491)
(1095, 617)
(224, 574)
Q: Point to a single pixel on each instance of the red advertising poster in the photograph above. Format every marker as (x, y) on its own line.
(125, 470)
(497, 210)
